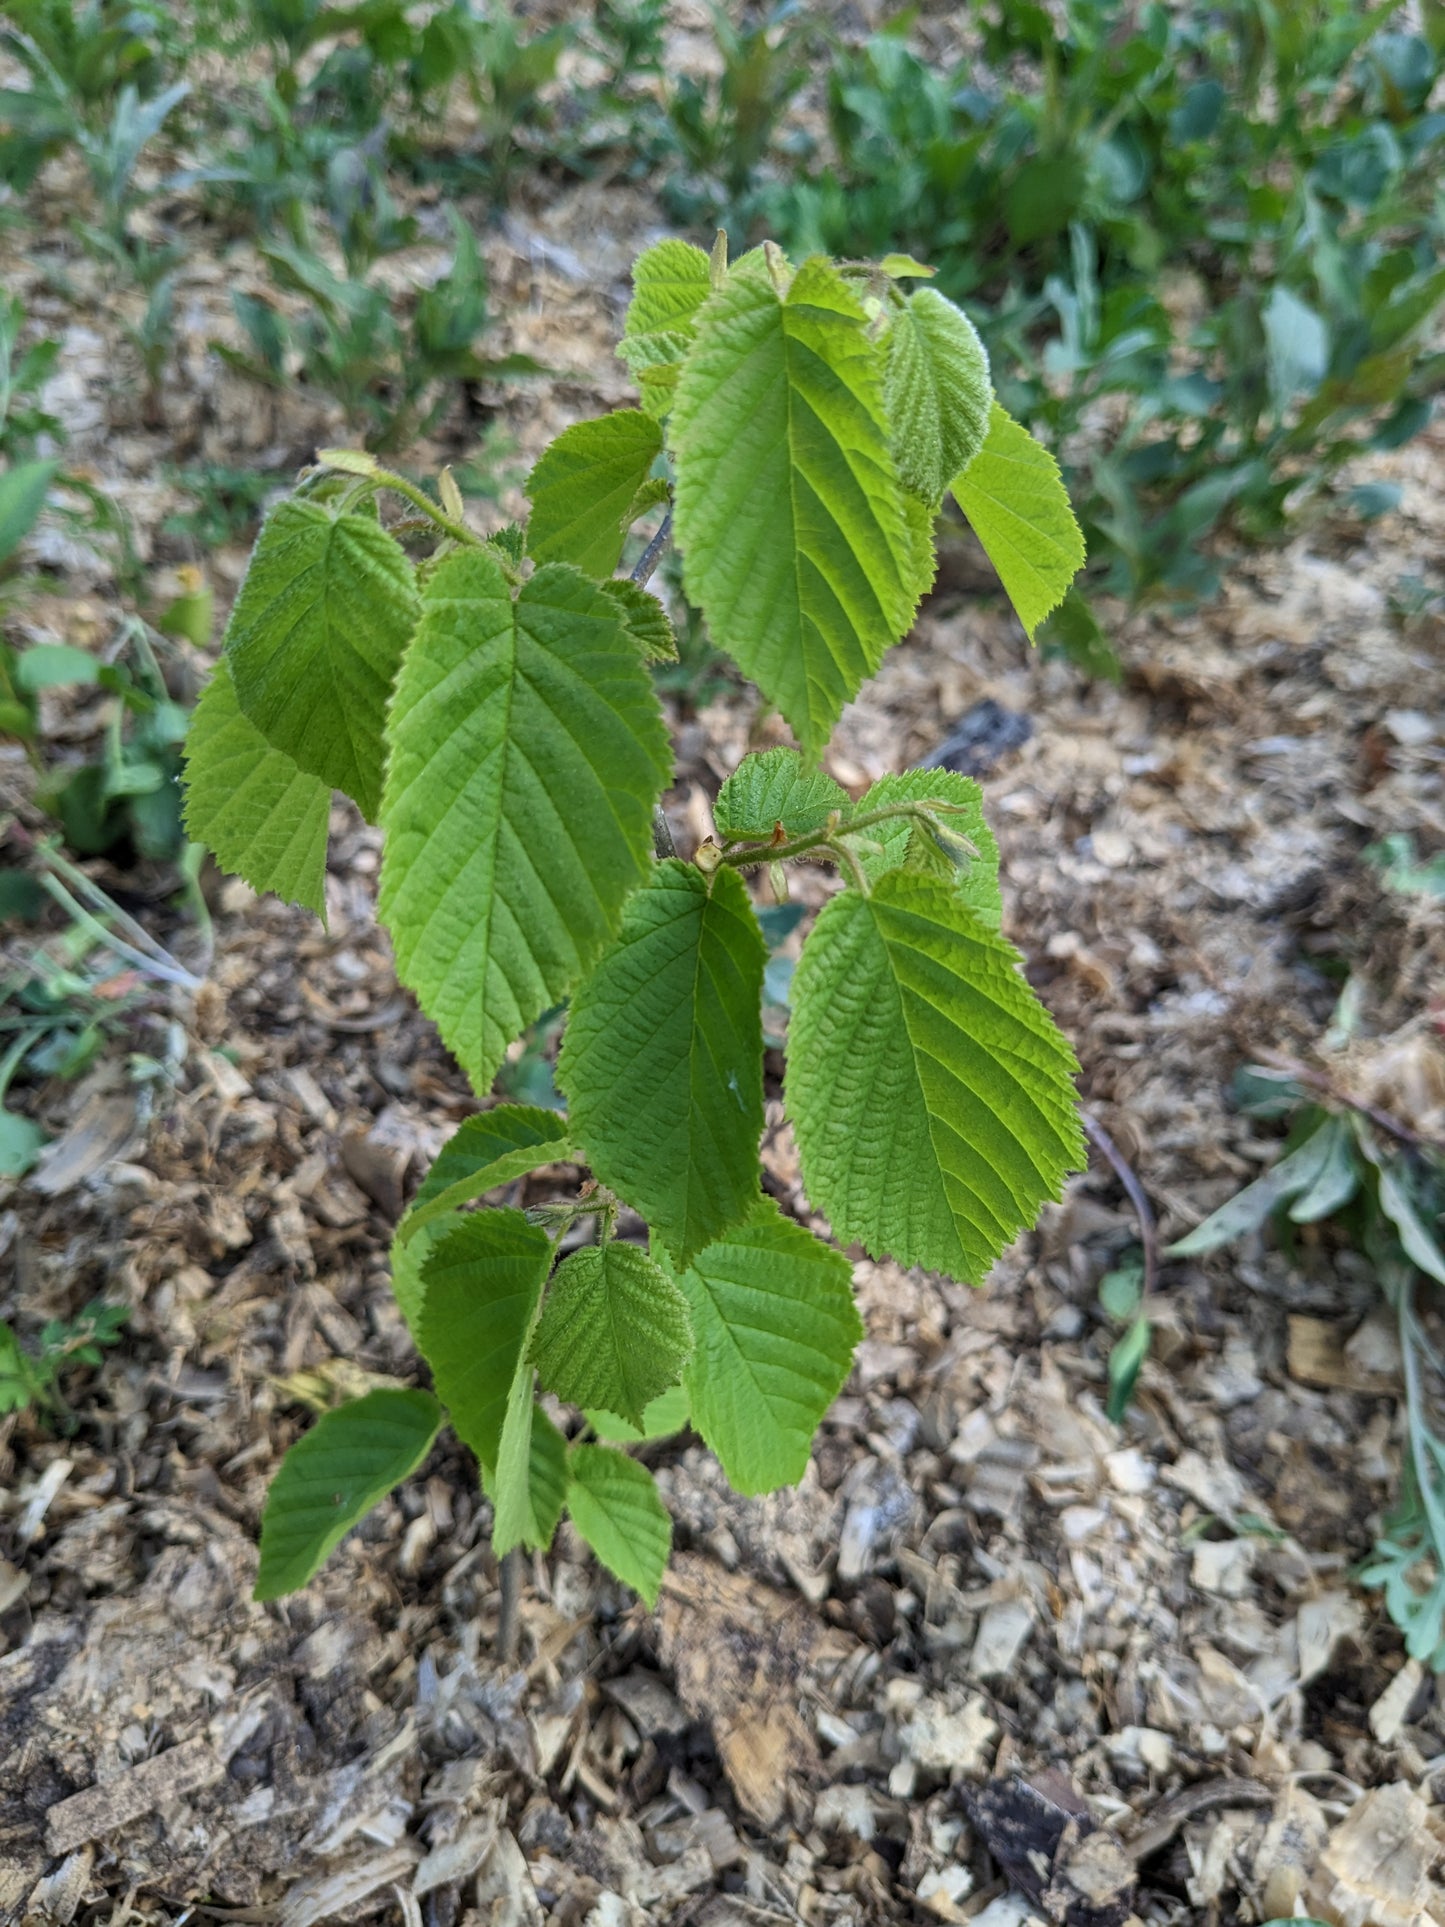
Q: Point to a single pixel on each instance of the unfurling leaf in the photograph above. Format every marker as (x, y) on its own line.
(662, 1062)
(930, 1091)
(527, 751)
(333, 1475)
(614, 1332)
(789, 511)
(314, 641)
(614, 1505)
(772, 787)
(262, 817)
(1017, 505)
(905, 843)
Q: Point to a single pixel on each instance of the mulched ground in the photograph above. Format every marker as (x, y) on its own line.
(995, 1658)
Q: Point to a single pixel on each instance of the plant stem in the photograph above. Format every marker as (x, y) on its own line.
(662, 843)
(510, 1611)
(399, 485)
(748, 856)
(652, 555)
(164, 967)
(1148, 1232)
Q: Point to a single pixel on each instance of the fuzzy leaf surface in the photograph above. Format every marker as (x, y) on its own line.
(772, 1308)
(929, 1089)
(614, 1505)
(905, 844)
(584, 486)
(670, 282)
(1017, 505)
(789, 511)
(332, 1477)
(938, 392)
(261, 816)
(483, 1284)
(662, 1062)
(614, 1332)
(314, 641)
(527, 751)
(775, 786)
(645, 619)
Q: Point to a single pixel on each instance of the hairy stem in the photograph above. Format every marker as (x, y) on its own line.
(399, 485)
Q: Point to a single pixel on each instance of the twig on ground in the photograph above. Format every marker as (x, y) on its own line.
(1143, 1210)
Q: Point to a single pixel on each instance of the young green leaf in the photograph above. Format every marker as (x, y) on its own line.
(528, 1485)
(614, 1332)
(938, 392)
(260, 816)
(583, 488)
(614, 1505)
(527, 751)
(775, 786)
(789, 512)
(486, 1151)
(334, 1474)
(644, 618)
(1017, 505)
(670, 282)
(662, 1062)
(1296, 1174)
(667, 1413)
(903, 843)
(320, 625)
(929, 1089)
(483, 1284)
(23, 489)
(776, 1326)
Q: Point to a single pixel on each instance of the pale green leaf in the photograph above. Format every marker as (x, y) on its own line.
(319, 628)
(662, 1061)
(670, 282)
(645, 619)
(1016, 502)
(1293, 1176)
(775, 1324)
(260, 816)
(614, 1331)
(527, 751)
(789, 512)
(903, 267)
(483, 1285)
(333, 1475)
(488, 1150)
(905, 844)
(938, 392)
(772, 787)
(1416, 1235)
(614, 1505)
(583, 488)
(667, 1414)
(930, 1091)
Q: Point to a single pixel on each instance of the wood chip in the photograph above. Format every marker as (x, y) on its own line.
(109, 1804)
